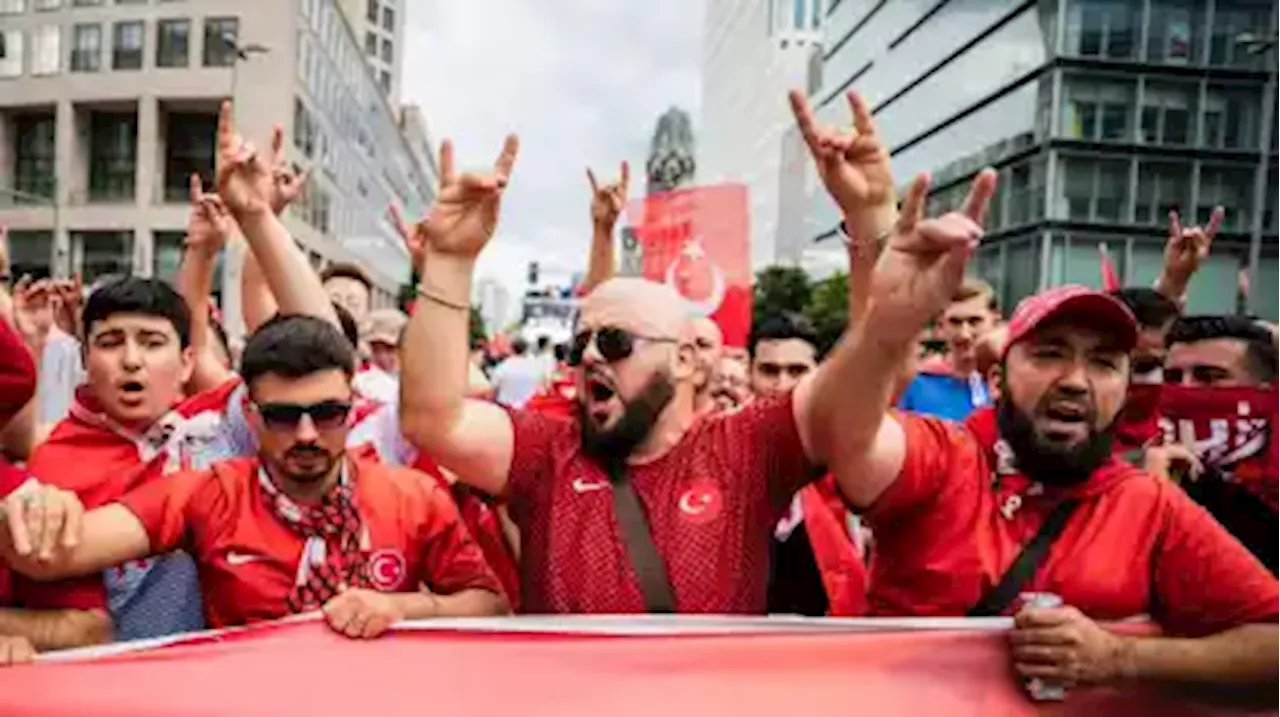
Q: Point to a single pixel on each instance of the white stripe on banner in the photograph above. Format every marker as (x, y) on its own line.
(618, 625)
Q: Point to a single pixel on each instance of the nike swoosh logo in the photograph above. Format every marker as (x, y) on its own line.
(234, 558)
(581, 486)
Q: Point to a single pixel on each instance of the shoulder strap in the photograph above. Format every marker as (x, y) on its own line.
(1003, 593)
(652, 572)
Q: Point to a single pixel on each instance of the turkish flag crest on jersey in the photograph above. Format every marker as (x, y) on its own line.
(695, 240)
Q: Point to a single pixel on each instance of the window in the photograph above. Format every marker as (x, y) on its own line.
(189, 149)
(389, 19)
(166, 255)
(173, 41)
(11, 7)
(1103, 28)
(798, 14)
(303, 130)
(86, 3)
(371, 11)
(33, 155)
(31, 252)
(1230, 188)
(104, 253)
(11, 53)
(370, 44)
(46, 50)
(126, 46)
(386, 51)
(1093, 189)
(113, 149)
(1163, 187)
(1167, 109)
(384, 80)
(1231, 117)
(1228, 25)
(86, 48)
(221, 34)
(48, 4)
(1171, 37)
(1095, 109)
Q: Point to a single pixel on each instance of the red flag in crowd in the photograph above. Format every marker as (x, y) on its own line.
(696, 240)
(1110, 278)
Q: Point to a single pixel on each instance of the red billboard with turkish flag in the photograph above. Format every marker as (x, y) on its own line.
(697, 241)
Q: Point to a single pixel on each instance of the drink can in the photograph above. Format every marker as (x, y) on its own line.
(1043, 690)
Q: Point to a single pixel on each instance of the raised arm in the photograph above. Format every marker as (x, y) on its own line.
(48, 536)
(257, 303)
(607, 203)
(208, 227)
(247, 184)
(1186, 250)
(474, 439)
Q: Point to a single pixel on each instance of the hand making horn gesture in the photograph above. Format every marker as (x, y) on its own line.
(287, 184)
(1186, 250)
(244, 175)
(852, 162)
(924, 261)
(465, 214)
(608, 201)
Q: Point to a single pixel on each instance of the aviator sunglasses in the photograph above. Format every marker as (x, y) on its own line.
(326, 415)
(614, 344)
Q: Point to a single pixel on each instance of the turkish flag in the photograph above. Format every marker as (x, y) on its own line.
(695, 240)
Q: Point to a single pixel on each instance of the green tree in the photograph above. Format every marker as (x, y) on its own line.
(780, 289)
(828, 309)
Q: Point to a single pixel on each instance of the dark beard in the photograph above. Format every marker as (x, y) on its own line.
(1048, 462)
(639, 415)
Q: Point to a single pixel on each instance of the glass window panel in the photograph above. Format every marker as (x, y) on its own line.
(1231, 117)
(1228, 187)
(46, 50)
(103, 253)
(1102, 28)
(30, 252)
(388, 19)
(370, 44)
(11, 53)
(1167, 108)
(1147, 257)
(34, 155)
(1213, 287)
(221, 34)
(371, 11)
(189, 149)
(1172, 35)
(126, 45)
(112, 154)
(86, 50)
(173, 40)
(1022, 275)
(1162, 187)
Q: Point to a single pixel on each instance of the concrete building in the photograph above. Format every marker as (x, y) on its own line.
(413, 125)
(379, 24)
(753, 52)
(106, 109)
(1101, 116)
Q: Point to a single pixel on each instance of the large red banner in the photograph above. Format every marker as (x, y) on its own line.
(525, 667)
(697, 240)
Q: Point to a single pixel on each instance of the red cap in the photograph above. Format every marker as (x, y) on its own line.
(1093, 308)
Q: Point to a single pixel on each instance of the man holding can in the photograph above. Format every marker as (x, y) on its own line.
(964, 523)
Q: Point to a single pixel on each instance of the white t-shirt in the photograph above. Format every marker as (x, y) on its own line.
(377, 384)
(517, 379)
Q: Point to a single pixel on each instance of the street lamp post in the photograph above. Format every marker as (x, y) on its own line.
(242, 53)
(1263, 46)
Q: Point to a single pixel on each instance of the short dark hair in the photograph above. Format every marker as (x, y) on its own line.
(781, 328)
(347, 270)
(543, 342)
(1261, 354)
(348, 322)
(296, 345)
(137, 295)
(561, 352)
(519, 346)
(1152, 309)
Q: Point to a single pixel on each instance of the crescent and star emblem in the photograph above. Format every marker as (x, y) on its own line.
(693, 251)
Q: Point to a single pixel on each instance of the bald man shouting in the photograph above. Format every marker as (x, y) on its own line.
(634, 504)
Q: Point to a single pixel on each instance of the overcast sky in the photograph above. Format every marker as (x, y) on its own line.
(581, 81)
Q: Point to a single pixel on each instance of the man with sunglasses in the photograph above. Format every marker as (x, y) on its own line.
(303, 526)
(708, 491)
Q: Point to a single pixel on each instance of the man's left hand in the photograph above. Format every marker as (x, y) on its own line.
(1062, 645)
(361, 613)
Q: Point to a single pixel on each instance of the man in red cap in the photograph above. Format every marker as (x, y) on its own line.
(956, 512)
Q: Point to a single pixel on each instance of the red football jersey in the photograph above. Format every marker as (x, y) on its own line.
(959, 514)
(248, 558)
(712, 502)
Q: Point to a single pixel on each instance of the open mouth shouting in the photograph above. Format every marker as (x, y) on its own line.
(1065, 420)
(132, 392)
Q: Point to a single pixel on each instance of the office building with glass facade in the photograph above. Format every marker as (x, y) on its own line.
(107, 107)
(1101, 116)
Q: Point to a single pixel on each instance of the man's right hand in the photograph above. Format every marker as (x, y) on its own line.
(924, 262)
(244, 175)
(42, 519)
(465, 214)
(608, 200)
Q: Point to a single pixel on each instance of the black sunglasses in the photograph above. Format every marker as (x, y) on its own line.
(326, 415)
(614, 344)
